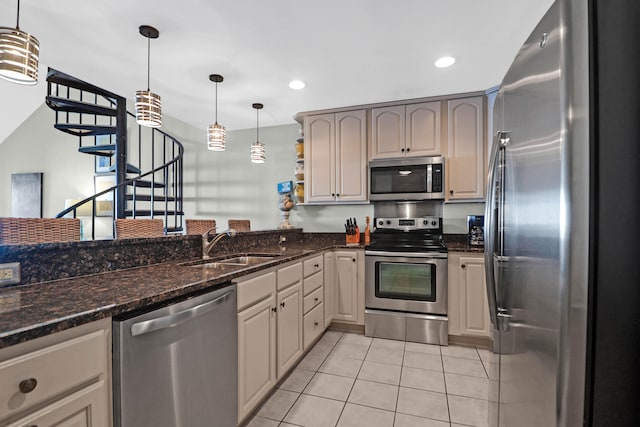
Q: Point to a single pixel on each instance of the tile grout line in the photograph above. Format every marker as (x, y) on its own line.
(446, 393)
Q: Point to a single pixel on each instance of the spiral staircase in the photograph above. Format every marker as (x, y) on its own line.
(146, 162)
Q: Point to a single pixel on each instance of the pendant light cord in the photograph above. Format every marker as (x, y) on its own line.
(148, 63)
(18, 17)
(257, 127)
(216, 102)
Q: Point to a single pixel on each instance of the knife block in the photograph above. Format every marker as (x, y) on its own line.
(353, 239)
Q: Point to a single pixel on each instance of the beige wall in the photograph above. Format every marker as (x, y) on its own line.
(218, 185)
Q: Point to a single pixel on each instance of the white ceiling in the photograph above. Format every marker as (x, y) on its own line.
(349, 52)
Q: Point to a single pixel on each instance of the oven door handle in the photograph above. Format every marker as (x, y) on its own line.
(439, 255)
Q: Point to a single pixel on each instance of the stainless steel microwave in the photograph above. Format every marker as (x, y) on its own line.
(411, 178)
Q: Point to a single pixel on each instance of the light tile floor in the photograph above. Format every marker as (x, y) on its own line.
(349, 380)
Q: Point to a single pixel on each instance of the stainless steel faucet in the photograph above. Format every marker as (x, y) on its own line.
(207, 244)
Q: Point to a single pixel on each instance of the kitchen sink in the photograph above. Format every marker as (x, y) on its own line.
(247, 259)
(232, 263)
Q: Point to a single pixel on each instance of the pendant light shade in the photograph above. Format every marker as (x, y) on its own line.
(257, 148)
(216, 133)
(18, 54)
(148, 104)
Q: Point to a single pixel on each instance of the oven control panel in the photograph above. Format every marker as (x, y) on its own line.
(422, 223)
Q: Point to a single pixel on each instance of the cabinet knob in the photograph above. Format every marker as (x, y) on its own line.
(354, 260)
(463, 266)
(316, 265)
(316, 299)
(27, 386)
(450, 191)
(338, 195)
(315, 323)
(333, 194)
(282, 304)
(402, 150)
(274, 309)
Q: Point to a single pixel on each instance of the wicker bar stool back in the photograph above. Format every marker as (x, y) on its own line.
(26, 231)
(132, 228)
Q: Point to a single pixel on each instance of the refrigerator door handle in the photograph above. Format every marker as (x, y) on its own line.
(175, 319)
(501, 141)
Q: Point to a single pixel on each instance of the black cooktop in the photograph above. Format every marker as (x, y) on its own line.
(406, 241)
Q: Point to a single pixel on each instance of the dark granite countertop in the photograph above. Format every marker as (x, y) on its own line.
(38, 309)
(464, 247)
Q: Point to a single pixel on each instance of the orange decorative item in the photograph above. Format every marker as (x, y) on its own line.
(367, 231)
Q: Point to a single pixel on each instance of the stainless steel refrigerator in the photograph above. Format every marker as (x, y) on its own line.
(563, 196)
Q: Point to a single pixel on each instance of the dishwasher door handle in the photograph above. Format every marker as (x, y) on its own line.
(175, 319)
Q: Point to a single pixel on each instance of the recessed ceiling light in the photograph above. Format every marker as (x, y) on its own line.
(297, 84)
(445, 61)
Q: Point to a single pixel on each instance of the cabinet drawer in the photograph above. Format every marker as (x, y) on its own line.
(53, 371)
(313, 265)
(313, 299)
(313, 324)
(312, 283)
(287, 276)
(256, 289)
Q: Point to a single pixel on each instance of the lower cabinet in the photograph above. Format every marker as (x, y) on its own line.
(329, 288)
(468, 305)
(289, 327)
(348, 286)
(58, 380)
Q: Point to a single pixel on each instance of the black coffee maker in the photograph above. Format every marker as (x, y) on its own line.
(475, 230)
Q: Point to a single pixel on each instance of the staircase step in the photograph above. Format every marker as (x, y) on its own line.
(130, 169)
(107, 150)
(70, 106)
(147, 184)
(85, 130)
(140, 212)
(58, 77)
(147, 198)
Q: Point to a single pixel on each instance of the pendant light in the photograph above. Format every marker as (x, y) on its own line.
(257, 148)
(18, 54)
(216, 132)
(148, 104)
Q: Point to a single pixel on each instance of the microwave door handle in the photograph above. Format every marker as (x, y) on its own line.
(429, 179)
(492, 202)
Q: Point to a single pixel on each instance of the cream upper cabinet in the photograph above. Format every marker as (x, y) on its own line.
(411, 130)
(387, 132)
(468, 306)
(423, 125)
(465, 144)
(336, 163)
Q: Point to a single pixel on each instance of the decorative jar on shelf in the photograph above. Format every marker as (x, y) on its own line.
(299, 192)
(300, 148)
(299, 172)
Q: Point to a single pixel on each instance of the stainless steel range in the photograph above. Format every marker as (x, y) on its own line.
(406, 281)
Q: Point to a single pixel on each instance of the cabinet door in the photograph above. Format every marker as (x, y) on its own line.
(289, 328)
(351, 156)
(423, 124)
(474, 314)
(466, 148)
(329, 286)
(320, 154)
(256, 354)
(346, 286)
(388, 132)
(84, 408)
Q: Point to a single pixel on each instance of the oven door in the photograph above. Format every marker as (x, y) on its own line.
(409, 282)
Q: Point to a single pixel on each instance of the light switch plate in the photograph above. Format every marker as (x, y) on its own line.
(9, 273)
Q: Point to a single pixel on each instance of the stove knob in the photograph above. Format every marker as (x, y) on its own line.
(425, 222)
(434, 223)
(381, 223)
(388, 222)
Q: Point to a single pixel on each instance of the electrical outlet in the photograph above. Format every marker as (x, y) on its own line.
(9, 273)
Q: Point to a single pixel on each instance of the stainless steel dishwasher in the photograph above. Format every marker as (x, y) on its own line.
(177, 366)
